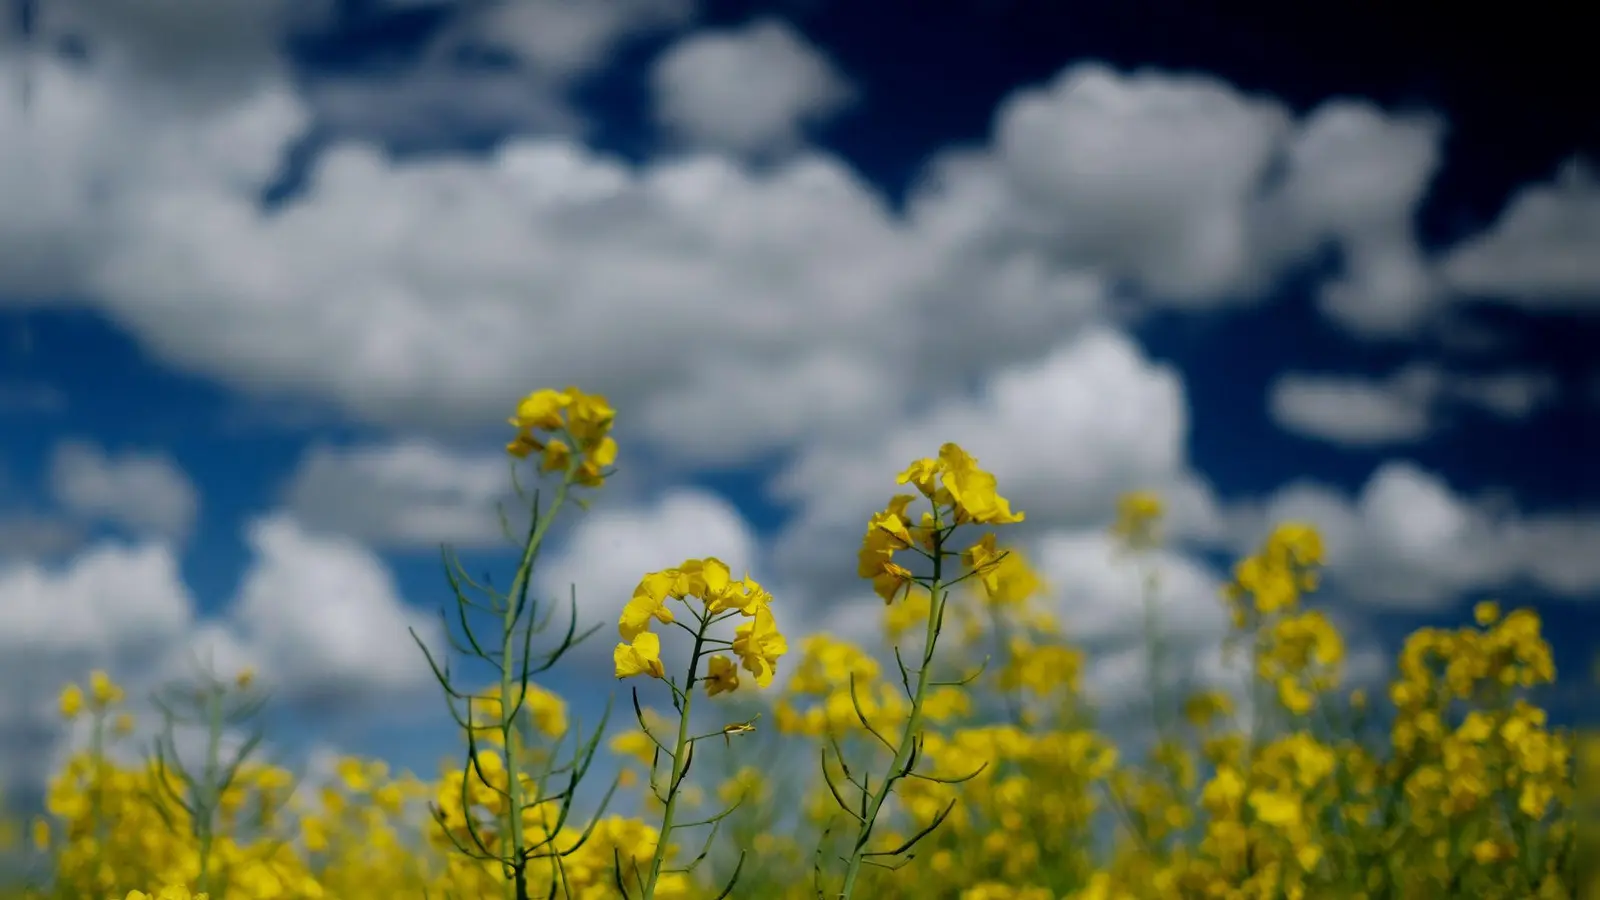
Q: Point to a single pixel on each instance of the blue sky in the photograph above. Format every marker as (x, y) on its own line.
(271, 278)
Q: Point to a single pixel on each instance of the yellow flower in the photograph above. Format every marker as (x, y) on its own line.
(649, 601)
(1486, 613)
(591, 416)
(1202, 708)
(604, 454)
(1011, 581)
(1138, 513)
(541, 409)
(642, 656)
(744, 595)
(983, 558)
(103, 690)
(722, 676)
(635, 744)
(758, 644)
(1487, 851)
(1276, 808)
(71, 701)
(921, 474)
(973, 490)
(556, 456)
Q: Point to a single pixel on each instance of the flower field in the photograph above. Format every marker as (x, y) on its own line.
(959, 759)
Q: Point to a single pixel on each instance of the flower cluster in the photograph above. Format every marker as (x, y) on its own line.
(757, 642)
(573, 425)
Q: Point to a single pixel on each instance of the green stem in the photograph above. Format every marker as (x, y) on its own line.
(908, 736)
(97, 749)
(680, 752)
(1156, 648)
(205, 807)
(517, 887)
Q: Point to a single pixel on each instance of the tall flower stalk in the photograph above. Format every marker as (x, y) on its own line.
(959, 493)
(757, 644)
(570, 432)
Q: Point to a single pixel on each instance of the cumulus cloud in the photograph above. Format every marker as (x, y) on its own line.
(108, 602)
(1544, 250)
(549, 265)
(1099, 595)
(562, 37)
(326, 616)
(1066, 436)
(1151, 176)
(505, 66)
(1508, 395)
(1356, 412)
(108, 599)
(1403, 408)
(1354, 178)
(92, 144)
(749, 90)
(203, 50)
(143, 493)
(1407, 540)
(1200, 195)
(686, 289)
(608, 551)
(26, 536)
(321, 619)
(412, 494)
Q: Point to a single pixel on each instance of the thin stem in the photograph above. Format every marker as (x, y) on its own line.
(510, 700)
(680, 754)
(206, 809)
(907, 736)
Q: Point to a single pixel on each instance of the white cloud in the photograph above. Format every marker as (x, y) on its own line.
(109, 602)
(1508, 395)
(749, 90)
(321, 620)
(326, 617)
(1200, 195)
(610, 550)
(1357, 412)
(549, 44)
(1354, 178)
(681, 288)
(1408, 541)
(695, 292)
(1065, 437)
(206, 50)
(108, 599)
(1151, 176)
(485, 279)
(93, 144)
(1560, 552)
(28, 536)
(1403, 408)
(1099, 595)
(142, 493)
(1543, 252)
(411, 494)
(562, 37)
